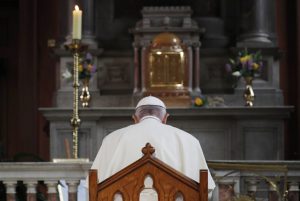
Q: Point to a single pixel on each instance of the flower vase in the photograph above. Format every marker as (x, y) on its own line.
(249, 93)
(85, 94)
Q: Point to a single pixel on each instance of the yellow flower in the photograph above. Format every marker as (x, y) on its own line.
(198, 101)
(80, 68)
(255, 66)
(244, 59)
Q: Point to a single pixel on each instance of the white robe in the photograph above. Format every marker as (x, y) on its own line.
(177, 148)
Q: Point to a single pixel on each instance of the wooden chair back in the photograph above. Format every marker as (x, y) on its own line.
(130, 181)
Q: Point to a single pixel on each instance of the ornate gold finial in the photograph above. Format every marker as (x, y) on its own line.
(249, 93)
(148, 149)
(85, 94)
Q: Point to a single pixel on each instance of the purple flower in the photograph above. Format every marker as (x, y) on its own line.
(93, 69)
(89, 56)
(88, 69)
(228, 68)
(249, 64)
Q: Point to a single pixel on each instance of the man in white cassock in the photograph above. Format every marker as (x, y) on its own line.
(175, 147)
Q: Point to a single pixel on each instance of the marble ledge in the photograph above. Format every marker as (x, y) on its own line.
(45, 170)
(259, 112)
(286, 163)
(271, 166)
(50, 171)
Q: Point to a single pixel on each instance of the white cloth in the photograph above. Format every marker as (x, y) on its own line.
(177, 148)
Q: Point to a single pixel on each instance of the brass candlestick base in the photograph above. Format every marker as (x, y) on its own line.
(76, 48)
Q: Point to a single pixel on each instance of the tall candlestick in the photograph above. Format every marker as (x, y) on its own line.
(77, 23)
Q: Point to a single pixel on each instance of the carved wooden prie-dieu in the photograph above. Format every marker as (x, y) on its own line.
(130, 182)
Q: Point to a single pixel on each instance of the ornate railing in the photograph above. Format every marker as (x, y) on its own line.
(40, 178)
(256, 180)
(237, 180)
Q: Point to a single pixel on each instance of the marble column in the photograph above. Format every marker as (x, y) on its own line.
(256, 21)
(190, 62)
(252, 188)
(143, 78)
(31, 190)
(136, 68)
(293, 191)
(52, 192)
(273, 195)
(73, 189)
(10, 190)
(89, 37)
(226, 191)
(197, 68)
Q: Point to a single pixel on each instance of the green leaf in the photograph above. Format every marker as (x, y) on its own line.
(232, 61)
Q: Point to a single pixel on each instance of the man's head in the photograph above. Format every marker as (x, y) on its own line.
(150, 106)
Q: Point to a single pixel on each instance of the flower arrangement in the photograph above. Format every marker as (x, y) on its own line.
(86, 68)
(199, 101)
(245, 65)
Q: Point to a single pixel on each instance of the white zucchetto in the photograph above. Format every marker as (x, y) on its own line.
(150, 100)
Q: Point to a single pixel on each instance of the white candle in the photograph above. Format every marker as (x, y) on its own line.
(77, 15)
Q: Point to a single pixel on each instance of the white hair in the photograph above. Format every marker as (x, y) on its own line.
(150, 110)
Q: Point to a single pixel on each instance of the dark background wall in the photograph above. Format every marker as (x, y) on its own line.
(27, 79)
(114, 18)
(28, 67)
(288, 21)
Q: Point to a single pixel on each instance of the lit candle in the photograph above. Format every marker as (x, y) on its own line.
(77, 14)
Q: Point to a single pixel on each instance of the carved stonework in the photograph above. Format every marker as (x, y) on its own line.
(257, 19)
(176, 21)
(115, 74)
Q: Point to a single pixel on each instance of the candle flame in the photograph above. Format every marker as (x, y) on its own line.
(76, 7)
